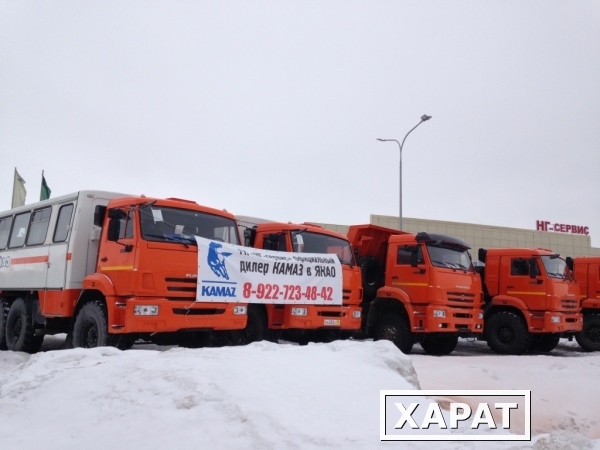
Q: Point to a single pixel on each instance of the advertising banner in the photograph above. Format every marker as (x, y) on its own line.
(232, 273)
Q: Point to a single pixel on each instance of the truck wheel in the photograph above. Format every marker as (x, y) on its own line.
(589, 337)
(395, 328)
(507, 334)
(440, 345)
(256, 327)
(123, 341)
(372, 276)
(545, 342)
(20, 334)
(3, 314)
(91, 327)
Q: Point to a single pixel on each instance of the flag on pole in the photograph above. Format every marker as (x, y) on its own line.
(19, 192)
(45, 192)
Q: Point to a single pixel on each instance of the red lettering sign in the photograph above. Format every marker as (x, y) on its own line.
(541, 225)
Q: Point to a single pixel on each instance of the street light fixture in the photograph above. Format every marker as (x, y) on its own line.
(424, 118)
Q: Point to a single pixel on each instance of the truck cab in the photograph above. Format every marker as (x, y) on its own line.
(531, 298)
(418, 288)
(305, 322)
(586, 271)
(107, 268)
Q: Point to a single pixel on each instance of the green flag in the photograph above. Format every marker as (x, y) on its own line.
(45, 192)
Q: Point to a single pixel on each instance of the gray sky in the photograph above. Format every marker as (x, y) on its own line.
(272, 108)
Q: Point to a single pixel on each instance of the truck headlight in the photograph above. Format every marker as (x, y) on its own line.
(555, 319)
(145, 310)
(239, 310)
(480, 316)
(439, 313)
(356, 314)
(299, 311)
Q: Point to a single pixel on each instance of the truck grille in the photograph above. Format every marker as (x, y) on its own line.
(461, 297)
(182, 286)
(569, 303)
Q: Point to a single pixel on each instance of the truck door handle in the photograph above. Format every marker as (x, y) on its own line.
(104, 259)
(420, 272)
(394, 277)
(510, 287)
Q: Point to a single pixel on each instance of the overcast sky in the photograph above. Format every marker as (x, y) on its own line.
(272, 108)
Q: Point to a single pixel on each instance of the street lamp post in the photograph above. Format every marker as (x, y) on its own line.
(424, 118)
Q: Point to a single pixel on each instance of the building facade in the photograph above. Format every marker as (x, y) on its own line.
(487, 236)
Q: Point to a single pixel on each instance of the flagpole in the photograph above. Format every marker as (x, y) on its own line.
(12, 201)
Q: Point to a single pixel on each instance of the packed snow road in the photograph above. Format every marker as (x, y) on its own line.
(269, 396)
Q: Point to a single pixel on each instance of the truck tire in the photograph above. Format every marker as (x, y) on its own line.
(3, 314)
(256, 327)
(91, 327)
(589, 337)
(395, 328)
(20, 333)
(507, 334)
(372, 276)
(440, 345)
(544, 342)
(123, 341)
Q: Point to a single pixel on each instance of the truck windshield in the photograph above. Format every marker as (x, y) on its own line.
(308, 242)
(164, 224)
(449, 256)
(556, 267)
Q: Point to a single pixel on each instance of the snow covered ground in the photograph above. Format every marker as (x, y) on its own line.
(267, 396)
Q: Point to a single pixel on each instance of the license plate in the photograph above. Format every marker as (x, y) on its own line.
(333, 322)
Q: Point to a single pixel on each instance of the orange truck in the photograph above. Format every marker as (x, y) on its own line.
(302, 323)
(417, 288)
(107, 268)
(531, 298)
(586, 271)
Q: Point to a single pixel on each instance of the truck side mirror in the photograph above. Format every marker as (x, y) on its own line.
(114, 228)
(414, 258)
(534, 270)
(249, 236)
(99, 214)
(569, 262)
(116, 213)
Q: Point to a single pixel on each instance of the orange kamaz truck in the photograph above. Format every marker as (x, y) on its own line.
(304, 322)
(417, 288)
(107, 268)
(586, 271)
(530, 297)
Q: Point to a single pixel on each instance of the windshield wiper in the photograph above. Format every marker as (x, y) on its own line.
(179, 240)
(443, 263)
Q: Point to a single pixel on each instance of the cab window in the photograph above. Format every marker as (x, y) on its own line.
(519, 267)
(404, 255)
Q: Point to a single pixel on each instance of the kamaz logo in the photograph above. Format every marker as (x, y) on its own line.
(4, 261)
(218, 291)
(216, 260)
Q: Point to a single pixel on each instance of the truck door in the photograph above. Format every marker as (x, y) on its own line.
(116, 258)
(401, 274)
(520, 284)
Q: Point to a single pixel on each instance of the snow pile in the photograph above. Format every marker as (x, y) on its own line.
(260, 396)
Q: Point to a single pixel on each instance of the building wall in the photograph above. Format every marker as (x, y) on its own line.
(486, 236)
